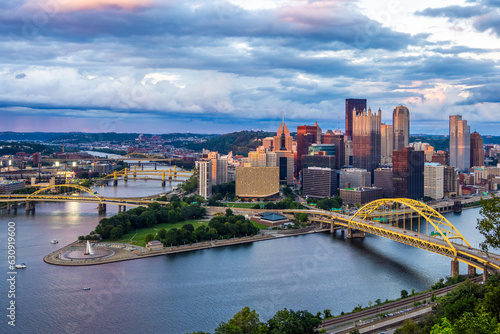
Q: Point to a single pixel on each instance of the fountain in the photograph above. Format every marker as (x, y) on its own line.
(88, 250)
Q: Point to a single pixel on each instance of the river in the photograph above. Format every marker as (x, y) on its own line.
(195, 291)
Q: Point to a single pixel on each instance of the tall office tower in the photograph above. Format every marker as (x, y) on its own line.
(219, 168)
(450, 185)
(434, 180)
(205, 178)
(348, 152)
(352, 104)
(408, 173)
(459, 143)
(366, 137)
(387, 143)
(401, 127)
(306, 136)
(476, 150)
(382, 178)
(336, 138)
(282, 140)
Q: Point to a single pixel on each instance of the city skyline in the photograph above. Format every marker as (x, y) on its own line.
(218, 67)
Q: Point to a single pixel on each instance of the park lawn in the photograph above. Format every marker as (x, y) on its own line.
(241, 205)
(260, 226)
(138, 239)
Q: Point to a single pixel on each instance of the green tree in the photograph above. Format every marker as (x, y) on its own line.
(149, 237)
(291, 322)
(247, 320)
(229, 212)
(161, 233)
(481, 323)
(328, 313)
(404, 293)
(489, 225)
(116, 232)
(409, 327)
(303, 217)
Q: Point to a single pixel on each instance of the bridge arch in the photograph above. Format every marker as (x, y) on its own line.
(75, 186)
(445, 229)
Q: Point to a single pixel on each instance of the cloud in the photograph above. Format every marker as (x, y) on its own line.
(454, 11)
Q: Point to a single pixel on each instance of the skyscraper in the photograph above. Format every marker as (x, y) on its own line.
(476, 150)
(459, 143)
(282, 140)
(401, 127)
(205, 178)
(306, 136)
(366, 138)
(387, 136)
(350, 105)
(408, 173)
(336, 138)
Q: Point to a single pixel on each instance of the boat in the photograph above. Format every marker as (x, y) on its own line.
(54, 241)
(20, 266)
(86, 288)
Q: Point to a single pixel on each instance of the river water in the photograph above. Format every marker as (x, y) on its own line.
(196, 291)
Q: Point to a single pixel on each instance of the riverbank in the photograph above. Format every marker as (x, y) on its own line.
(124, 252)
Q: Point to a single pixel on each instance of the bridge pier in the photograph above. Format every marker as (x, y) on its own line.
(485, 273)
(30, 206)
(472, 271)
(121, 208)
(163, 183)
(101, 208)
(331, 228)
(352, 235)
(454, 268)
(115, 183)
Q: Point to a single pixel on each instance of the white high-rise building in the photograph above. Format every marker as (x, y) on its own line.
(434, 180)
(459, 143)
(205, 178)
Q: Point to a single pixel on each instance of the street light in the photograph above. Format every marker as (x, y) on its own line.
(57, 163)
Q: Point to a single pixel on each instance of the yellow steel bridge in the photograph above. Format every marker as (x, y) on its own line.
(402, 220)
(77, 194)
(163, 175)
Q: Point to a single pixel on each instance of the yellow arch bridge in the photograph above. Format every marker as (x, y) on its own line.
(168, 175)
(77, 193)
(410, 222)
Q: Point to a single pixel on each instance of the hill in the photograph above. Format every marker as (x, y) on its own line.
(238, 142)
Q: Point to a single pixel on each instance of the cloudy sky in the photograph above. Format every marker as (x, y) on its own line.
(159, 66)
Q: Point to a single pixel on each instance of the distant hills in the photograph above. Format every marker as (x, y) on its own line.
(238, 142)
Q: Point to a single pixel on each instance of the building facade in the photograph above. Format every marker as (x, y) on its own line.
(205, 178)
(257, 182)
(434, 181)
(306, 136)
(459, 143)
(476, 150)
(319, 182)
(361, 195)
(366, 140)
(401, 127)
(336, 138)
(382, 178)
(408, 173)
(354, 178)
(387, 135)
(359, 105)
